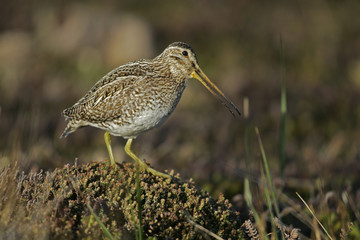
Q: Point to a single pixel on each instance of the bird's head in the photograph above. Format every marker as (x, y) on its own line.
(182, 62)
(181, 59)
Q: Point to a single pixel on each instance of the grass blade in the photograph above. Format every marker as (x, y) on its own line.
(201, 228)
(312, 213)
(247, 191)
(247, 188)
(103, 227)
(283, 110)
(138, 199)
(267, 171)
(268, 202)
(269, 180)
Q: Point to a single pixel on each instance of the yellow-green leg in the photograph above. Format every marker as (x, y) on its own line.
(108, 145)
(140, 162)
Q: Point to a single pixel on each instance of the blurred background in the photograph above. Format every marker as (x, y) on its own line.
(52, 53)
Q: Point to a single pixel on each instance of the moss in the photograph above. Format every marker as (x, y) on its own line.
(169, 207)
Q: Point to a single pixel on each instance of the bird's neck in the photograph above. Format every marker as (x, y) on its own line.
(170, 69)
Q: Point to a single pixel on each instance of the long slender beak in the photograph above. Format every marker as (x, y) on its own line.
(200, 75)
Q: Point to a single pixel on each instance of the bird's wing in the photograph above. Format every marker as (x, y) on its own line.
(113, 95)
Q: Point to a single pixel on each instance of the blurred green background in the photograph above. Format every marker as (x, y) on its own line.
(52, 53)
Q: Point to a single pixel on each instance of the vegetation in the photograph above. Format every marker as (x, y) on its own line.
(83, 201)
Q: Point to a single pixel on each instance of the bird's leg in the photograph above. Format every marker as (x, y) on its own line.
(108, 145)
(140, 162)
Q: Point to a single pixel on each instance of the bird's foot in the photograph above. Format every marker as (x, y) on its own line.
(143, 165)
(147, 168)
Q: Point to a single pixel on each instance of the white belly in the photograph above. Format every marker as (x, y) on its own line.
(136, 126)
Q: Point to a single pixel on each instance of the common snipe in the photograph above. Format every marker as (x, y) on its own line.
(138, 96)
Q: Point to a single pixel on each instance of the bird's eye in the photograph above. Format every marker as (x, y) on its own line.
(185, 53)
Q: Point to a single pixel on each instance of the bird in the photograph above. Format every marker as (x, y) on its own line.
(139, 96)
